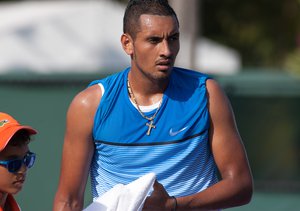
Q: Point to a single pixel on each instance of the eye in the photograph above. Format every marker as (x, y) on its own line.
(174, 37)
(154, 40)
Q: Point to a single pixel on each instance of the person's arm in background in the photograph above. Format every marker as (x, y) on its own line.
(78, 150)
(235, 187)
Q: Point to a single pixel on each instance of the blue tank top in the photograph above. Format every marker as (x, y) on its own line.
(177, 150)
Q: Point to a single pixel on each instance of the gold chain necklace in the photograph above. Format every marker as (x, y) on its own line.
(150, 119)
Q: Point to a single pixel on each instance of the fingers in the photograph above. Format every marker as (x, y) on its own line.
(157, 184)
(159, 189)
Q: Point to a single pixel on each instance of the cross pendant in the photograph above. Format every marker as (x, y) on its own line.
(150, 126)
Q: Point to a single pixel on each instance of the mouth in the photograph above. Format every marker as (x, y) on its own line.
(19, 182)
(164, 64)
(18, 185)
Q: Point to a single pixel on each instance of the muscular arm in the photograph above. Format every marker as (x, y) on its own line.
(77, 150)
(235, 186)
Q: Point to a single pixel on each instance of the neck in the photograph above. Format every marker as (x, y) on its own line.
(3, 197)
(146, 92)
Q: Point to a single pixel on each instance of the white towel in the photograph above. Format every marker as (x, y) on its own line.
(121, 197)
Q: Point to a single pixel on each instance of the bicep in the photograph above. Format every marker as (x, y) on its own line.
(77, 152)
(78, 146)
(226, 143)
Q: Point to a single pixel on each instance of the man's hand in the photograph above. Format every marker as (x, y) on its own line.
(159, 199)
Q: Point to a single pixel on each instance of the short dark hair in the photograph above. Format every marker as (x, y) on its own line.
(136, 8)
(20, 138)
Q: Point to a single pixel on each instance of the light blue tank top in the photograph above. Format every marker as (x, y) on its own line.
(177, 150)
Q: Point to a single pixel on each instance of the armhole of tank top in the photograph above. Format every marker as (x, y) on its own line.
(102, 88)
(204, 79)
(204, 82)
(97, 110)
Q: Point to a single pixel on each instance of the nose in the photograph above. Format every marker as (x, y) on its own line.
(166, 49)
(23, 169)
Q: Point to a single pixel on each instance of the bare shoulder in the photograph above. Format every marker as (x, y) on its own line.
(213, 87)
(82, 109)
(219, 106)
(215, 93)
(87, 100)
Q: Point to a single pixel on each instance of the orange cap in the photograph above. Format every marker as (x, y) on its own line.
(8, 127)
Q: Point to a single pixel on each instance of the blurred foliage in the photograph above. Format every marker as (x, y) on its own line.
(123, 1)
(292, 63)
(263, 31)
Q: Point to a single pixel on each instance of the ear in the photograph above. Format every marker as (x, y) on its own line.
(127, 43)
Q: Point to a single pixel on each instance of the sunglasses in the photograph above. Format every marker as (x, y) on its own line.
(14, 165)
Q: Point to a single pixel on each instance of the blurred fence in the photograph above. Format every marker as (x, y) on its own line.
(266, 108)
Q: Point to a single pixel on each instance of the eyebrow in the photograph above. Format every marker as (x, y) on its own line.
(14, 156)
(175, 34)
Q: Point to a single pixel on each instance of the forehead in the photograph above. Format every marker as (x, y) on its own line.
(158, 24)
(11, 152)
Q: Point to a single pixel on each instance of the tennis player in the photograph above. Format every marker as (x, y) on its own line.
(154, 117)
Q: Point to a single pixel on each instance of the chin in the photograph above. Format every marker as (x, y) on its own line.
(16, 189)
(165, 74)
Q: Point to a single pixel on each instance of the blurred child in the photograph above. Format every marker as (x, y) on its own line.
(15, 159)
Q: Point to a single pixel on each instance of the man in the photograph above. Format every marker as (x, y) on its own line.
(153, 117)
(15, 158)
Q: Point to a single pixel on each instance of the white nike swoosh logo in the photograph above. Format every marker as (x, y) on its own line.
(174, 133)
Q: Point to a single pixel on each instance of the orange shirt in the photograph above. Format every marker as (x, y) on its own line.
(12, 203)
